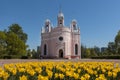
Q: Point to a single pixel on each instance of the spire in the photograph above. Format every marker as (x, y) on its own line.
(60, 11)
(60, 18)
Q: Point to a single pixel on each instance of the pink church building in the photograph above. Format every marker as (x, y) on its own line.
(60, 41)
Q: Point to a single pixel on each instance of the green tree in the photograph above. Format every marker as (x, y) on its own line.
(111, 48)
(15, 46)
(12, 41)
(2, 43)
(92, 52)
(117, 42)
(17, 29)
(34, 54)
(97, 50)
(29, 54)
(83, 51)
(88, 54)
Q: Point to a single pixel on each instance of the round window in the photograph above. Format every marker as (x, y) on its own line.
(60, 38)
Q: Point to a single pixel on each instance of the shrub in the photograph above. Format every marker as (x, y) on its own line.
(24, 57)
(7, 57)
(106, 57)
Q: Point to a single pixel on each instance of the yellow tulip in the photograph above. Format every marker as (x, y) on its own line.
(114, 74)
(23, 77)
(61, 76)
(5, 75)
(109, 73)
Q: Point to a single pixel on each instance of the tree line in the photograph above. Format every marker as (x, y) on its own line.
(13, 43)
(113, 49)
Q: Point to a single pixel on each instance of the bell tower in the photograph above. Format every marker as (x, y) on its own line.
(47, 25)
(60, 19)
(74, 25)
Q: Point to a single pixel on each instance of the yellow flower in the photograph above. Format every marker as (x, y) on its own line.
(95, 72)
(117, 65)
(5, 75)
(87, 76)
(31, 72)
(97, 79)
(69, 69)
(101, 77)
(1, 73)
(23, 77)
(114, 74)
(14, 71)
(79, 70)
(109, 73)
(21, 69)
(50, 73)
(61, 76)
(69, 73)
(103, 70)
(38, 70)
(56, 75)
(82, 78)
(40, 77)
(76, 76)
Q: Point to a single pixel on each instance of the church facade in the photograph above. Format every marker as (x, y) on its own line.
(60, 41)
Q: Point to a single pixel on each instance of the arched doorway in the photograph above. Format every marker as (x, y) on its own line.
(60, 53)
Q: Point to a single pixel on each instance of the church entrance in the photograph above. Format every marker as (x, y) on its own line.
(60, 53)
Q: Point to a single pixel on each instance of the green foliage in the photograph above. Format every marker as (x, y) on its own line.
(24, 57)
(29, 53)
(111, 47)
(88, 52)
(117, 38)
(117, 41)
(2, 42)
(15, 46)
(82, 51)
(114, 47)
(33, 54)
(15, 28)
(106, 57)
(12, 42)
(92, 51)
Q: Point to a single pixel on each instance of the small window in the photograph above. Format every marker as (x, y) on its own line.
(47, 29)
(46, 25)
(60, 21)
(61, 38)
(74, 27)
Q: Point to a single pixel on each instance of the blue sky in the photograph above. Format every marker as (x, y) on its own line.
(99, 20)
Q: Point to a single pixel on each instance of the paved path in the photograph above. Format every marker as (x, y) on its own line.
(7, 61)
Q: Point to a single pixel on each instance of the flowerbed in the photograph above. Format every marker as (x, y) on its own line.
(60, 71)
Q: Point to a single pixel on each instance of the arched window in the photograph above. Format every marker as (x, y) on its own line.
(60, 21)
(76, 49)
(47, 28)
(74, 27)
(45, 49)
